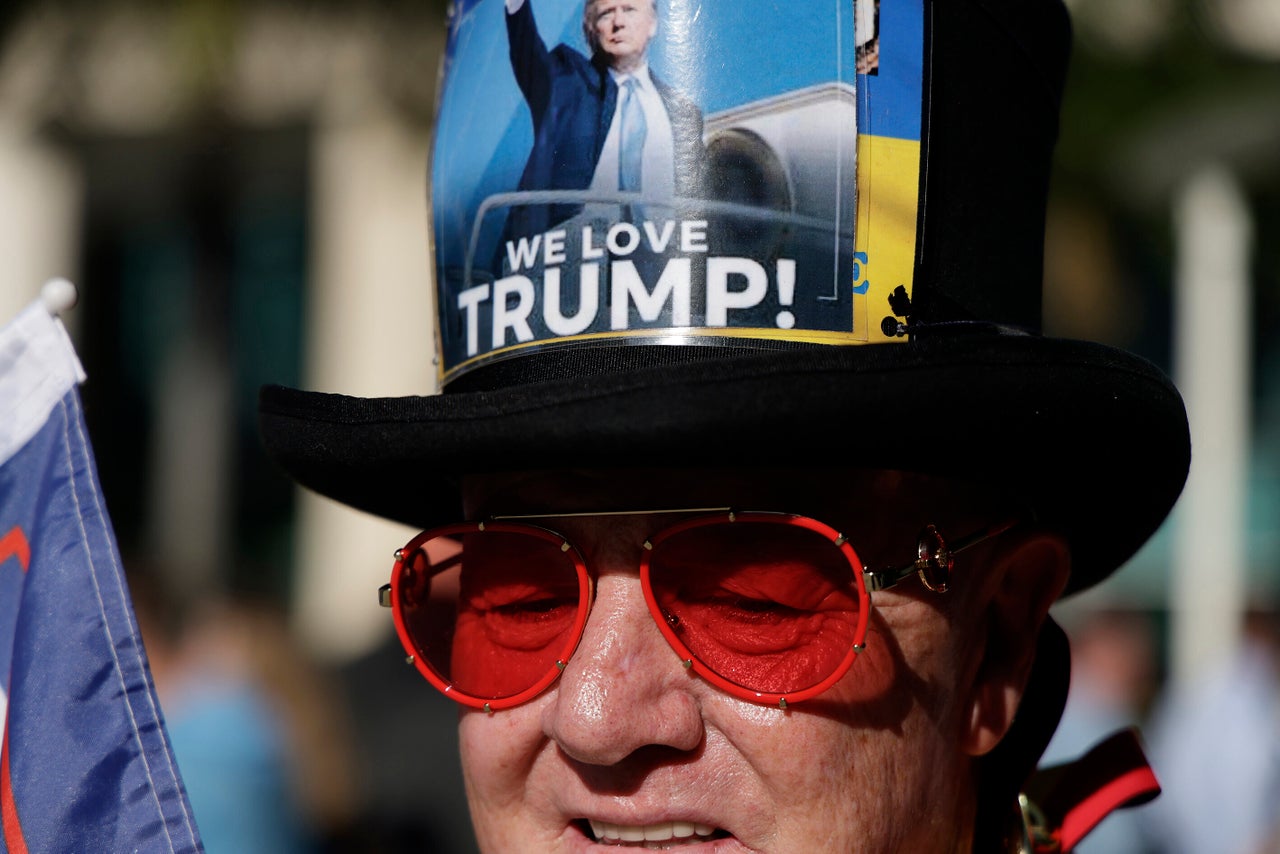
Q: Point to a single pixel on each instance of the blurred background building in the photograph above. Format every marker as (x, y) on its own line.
(239, 191)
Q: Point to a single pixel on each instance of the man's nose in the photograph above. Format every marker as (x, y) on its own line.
(624, 688)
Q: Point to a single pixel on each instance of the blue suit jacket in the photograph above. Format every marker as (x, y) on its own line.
(572, 99)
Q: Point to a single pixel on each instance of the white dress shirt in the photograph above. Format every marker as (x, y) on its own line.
(658, 172)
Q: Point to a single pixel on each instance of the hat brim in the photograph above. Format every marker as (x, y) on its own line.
(1096, 439)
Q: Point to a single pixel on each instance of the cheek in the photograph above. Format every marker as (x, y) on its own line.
(922, 653)
(498, 753)
(898, 672)
(832, 785)
(845, 768)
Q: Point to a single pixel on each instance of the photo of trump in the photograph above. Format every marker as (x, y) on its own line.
(608, 169)
(604, 122)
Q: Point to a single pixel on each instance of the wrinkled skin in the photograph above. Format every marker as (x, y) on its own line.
(883, 762)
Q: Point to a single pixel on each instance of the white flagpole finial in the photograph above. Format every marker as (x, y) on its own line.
(59, 296)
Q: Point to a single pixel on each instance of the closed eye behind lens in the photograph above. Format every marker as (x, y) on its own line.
(771, 607)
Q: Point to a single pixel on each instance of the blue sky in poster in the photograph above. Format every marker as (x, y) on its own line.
(734, 53)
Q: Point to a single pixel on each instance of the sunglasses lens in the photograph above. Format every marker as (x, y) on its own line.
(768, 606)
(489, 613)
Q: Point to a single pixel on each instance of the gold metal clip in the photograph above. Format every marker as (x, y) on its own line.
(1036, 838)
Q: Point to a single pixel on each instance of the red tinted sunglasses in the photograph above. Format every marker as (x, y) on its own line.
(770, 607)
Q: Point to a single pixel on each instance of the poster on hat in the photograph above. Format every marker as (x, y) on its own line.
(649, 171)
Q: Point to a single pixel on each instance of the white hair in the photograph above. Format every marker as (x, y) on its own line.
(588, 25)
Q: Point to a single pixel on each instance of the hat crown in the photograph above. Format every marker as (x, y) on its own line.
(997, 71)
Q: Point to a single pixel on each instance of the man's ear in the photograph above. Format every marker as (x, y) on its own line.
(1016, 592)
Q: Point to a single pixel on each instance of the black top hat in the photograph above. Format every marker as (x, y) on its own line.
(955, 377)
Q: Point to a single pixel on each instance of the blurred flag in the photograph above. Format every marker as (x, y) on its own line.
(85, 764)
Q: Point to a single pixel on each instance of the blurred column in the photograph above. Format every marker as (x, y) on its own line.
(39, 216)
(370, 328)
(187, 519)
(1212, 338)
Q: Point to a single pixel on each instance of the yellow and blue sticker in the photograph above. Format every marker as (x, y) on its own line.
(657, 171)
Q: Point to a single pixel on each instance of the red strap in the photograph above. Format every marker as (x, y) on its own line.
(1134, 787)
(12, 827)
(1075, 797)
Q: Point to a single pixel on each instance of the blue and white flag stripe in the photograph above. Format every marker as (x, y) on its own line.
(38, 366)
(85, 763)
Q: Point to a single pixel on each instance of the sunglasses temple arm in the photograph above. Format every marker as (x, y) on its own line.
(987, 533)
(384, 592)
(882, 579)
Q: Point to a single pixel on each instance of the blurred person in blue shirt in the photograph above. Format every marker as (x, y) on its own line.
(1216, 747)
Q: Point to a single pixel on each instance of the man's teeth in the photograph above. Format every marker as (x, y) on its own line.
(661, 832)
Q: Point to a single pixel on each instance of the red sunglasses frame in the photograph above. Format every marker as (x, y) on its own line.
(586, 598)
(933, 565)
(692, 662)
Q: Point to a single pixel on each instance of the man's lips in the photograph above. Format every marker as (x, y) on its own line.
(665, 834)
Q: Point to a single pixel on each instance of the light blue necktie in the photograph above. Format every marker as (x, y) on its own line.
(631, 138)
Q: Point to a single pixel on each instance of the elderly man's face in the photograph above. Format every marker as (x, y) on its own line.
(623, 29)
(628, 743)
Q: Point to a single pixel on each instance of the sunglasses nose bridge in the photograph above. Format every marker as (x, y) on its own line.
(608, 544)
